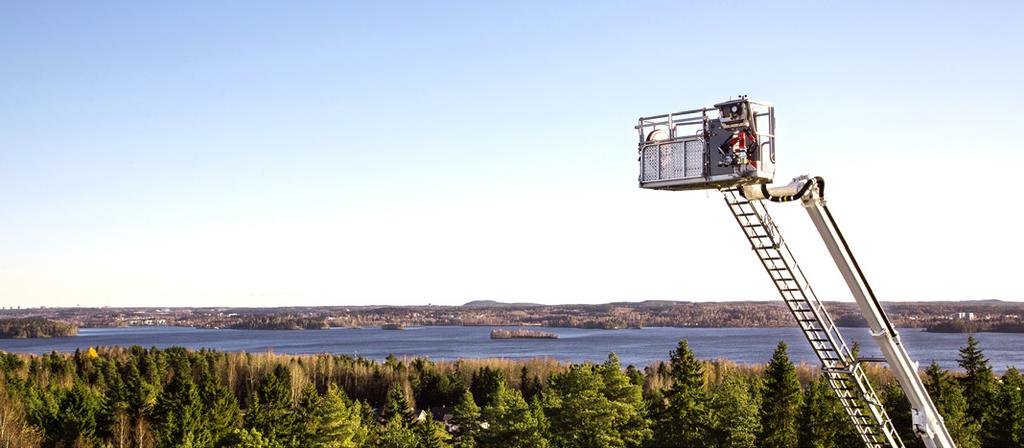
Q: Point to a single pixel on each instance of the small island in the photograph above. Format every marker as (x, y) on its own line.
(35, 327)
(499, 333)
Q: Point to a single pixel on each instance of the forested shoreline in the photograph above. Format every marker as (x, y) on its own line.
(976, 315)
(137, 397)
(35, 327)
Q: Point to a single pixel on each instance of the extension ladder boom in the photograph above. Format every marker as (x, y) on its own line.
(843, 370)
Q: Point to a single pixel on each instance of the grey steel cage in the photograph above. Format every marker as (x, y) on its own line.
(680, 151)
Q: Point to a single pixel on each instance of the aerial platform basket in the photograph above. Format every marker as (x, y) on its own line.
(727, 145)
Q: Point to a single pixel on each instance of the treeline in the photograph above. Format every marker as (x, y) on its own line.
(974, 326)
(275, 322)
(609, 316)
(35, 328)
(136, 397)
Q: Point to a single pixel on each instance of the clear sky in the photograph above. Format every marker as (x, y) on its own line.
(306, 153)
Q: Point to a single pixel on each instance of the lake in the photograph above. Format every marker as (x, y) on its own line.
(634, 346)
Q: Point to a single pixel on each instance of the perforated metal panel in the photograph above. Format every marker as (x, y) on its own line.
(694, 159)
(676, 160)
(680, 151)
(650, 164)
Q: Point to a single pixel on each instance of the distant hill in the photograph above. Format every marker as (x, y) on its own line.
(497, 304)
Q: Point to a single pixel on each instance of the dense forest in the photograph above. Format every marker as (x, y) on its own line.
(137, 397)
(35, 327)
(277, 322)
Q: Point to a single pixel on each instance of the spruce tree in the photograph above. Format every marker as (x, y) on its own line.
(432, 433)
(528, 384)
(948, 397)
(898, 407)
(466, 419)
(781, 403)
(818, 422)
(306, 429)
(685, 419)
(248, 438)
(579, 413)
(486, 384)
(628, 402)
(178, 414)
(734, 409)
(397, 434)
(635, 375)
(1008, 418)
(75, 420)
(272, 412)
(510, 423)
(979, 383)
(396, 403)
(220, 407)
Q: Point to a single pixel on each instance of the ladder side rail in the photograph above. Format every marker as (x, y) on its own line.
(847, 379)
(928, 423)
(835, 339)
(847, 360)
(784, 249)
(863, 408)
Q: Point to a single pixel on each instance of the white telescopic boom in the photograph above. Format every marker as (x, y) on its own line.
(927, 422)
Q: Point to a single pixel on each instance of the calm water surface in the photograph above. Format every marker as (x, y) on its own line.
(634, 346)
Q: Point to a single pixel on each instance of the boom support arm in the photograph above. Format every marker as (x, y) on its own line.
(928, 424)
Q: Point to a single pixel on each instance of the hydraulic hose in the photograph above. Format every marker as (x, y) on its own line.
(766, 193)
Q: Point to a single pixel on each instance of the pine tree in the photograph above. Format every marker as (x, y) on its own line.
(781, 403)
(466, 419)
(734, 409)
(1008, 418)
(948, 397)
(685, 419)
(979, 383)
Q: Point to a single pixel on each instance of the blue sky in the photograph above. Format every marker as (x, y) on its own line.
(252, 153)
